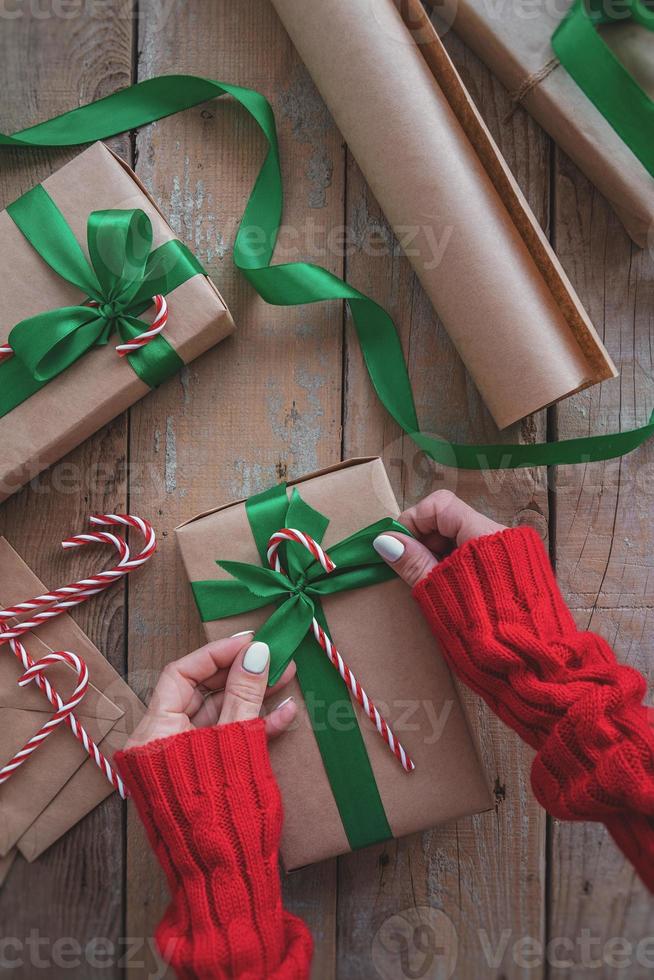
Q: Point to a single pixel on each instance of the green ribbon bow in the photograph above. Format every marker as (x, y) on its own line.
(300, 282)
(123, 276)
(608, 84)
(297, 597)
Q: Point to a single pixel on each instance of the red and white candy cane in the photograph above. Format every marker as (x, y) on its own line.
(34, 670)
(64, 709)
(158, 325)
(52, 604)
(382, 726)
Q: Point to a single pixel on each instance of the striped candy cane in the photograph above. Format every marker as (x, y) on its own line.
(158, 325)
(384, 729)
(34, 670)
(64, 709)
(52, 604)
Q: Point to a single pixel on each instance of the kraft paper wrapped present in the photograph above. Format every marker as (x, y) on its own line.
(59, 784)
(515, 40)
(342, 788)
(436, 172)
(84, 204)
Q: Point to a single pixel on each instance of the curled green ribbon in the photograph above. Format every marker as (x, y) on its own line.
(608, 84)
(301, 282)
(123, 275)
(297, 597)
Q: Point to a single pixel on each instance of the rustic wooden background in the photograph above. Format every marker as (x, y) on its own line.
(287, 394)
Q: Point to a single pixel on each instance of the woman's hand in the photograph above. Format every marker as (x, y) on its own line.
(440, 522)
(221, 682)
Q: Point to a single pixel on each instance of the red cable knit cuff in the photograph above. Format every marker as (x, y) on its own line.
(212, 811)
(504, 578)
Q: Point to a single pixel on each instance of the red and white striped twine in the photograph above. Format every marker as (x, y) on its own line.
(158, 325)
(52, 604)
(382, 726)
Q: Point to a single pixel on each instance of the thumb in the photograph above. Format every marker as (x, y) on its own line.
(410, 559)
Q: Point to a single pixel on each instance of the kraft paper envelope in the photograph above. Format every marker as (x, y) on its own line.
(486, 266)
(59, 784)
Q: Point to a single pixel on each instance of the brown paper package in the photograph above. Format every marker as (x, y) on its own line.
(518, 50)
(59, 784)
(101, 384)
(390, 648)
(430, 161)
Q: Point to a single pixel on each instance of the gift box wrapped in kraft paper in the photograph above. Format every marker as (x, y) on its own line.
(432, 165)
(342, 786)
(83, 255)
(515, 40)
(59, 784)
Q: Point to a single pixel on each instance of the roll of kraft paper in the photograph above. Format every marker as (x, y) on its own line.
(411, 126)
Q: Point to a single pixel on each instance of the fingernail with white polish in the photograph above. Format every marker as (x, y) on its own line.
(390, 548)
(242, 633)
(282, 703)
(256, 657)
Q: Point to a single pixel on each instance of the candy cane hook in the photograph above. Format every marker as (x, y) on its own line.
(158, 325)
(64, 709)
(382, 726)
(52, 604)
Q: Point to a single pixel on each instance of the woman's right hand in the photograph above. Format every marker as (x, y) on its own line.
(440, 523)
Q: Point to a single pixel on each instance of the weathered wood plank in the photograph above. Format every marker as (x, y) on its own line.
(73, 894)
(604, 538)
(485, 874)
(267, 403)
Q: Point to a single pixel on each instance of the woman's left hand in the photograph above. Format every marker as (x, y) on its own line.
(222, 682)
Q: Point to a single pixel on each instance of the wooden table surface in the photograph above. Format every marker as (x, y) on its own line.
(285, 395)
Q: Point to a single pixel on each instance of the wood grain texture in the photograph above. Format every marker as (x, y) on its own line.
(289, 393)
(266, 404)
(485, 873)
(604, 538)
(74, 892)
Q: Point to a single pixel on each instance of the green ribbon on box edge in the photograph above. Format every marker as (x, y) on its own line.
(300, 282)
(297, 595)
(603, 78)
(122, 278)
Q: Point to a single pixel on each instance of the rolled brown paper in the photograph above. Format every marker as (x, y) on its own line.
(508, 324)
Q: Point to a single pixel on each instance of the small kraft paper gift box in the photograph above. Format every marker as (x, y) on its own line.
(342, 784)
(99, 303)
(584, 69)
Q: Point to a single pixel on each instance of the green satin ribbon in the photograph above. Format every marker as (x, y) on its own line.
(300, 282)
(604, 79)
(296, 595)
(123, 275)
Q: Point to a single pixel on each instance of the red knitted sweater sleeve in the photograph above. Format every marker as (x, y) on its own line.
(212, 811)
(507, 633)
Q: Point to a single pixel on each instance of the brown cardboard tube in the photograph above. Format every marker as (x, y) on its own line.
(512, 315)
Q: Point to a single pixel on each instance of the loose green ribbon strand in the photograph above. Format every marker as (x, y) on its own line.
(300, 282)
(123, 275)
(296, 595)
(608, 84)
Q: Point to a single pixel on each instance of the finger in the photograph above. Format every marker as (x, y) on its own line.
(177, 688)
(246, 684)
(406, 556)
(443, 518)
(281, 718)
(209, 710)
